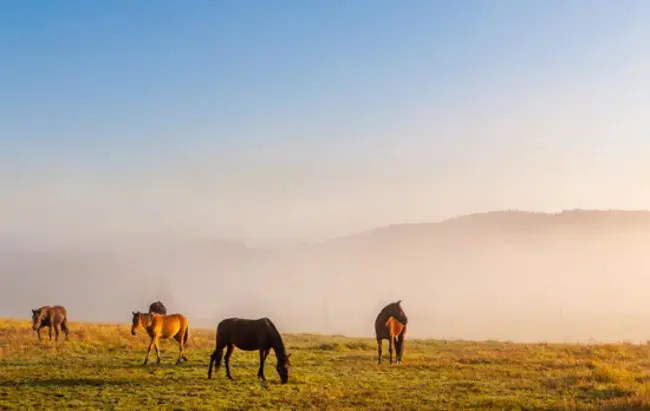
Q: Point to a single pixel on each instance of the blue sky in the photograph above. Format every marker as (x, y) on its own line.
(294, 119)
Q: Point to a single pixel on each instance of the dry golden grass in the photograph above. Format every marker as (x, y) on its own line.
(101, 368)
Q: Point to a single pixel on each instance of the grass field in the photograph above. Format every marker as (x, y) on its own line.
(101, 367)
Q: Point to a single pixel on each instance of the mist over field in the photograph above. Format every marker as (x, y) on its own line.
(571, 276)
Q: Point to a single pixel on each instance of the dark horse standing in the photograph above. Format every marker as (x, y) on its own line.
(250, 335)
(158, 308)
(51, 317)
(391, 325)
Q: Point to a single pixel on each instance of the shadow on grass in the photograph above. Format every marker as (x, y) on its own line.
(596, 393)
(625, 407)
(161, 366)
(67, 382)
(23, 364)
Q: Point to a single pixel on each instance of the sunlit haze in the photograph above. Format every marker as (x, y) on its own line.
(213, 154)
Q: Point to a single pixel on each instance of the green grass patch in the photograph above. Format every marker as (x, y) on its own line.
(101, 368)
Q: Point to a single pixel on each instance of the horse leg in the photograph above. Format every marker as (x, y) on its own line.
(181, 357)
(263, 354)
(146, 358)
(38, 332)
(155, 345)
(64, 327)
(180, 354)
(229, 351)
(50, 329)
(215, 358)
(181, 341)
(379, 349)
(390, 348)
(400, 350)
(56, 332)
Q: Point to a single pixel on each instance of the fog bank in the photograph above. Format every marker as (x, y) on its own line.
(573, 276)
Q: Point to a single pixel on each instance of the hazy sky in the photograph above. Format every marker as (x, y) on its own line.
(302, 120)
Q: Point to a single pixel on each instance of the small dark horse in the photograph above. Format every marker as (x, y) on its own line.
(250, 335)
(391, 325)
(51, 317)
(157, 307)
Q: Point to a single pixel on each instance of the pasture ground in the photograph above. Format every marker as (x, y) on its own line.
(101, 368)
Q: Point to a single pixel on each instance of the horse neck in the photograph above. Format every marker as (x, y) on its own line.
(383, 315)
(44, 318)
(147, 321)
(277, 344)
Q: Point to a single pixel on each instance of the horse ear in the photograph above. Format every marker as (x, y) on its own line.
(134, 312)
(398, 302)
(33, 311)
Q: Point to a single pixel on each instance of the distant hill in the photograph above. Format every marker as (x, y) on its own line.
(513, 222)
(564, 275)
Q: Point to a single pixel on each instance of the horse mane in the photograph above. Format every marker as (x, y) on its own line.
(276, 340)
(383, 312)
(147, 319)
(384, 315)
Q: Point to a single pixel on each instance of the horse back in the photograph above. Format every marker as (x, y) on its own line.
(60, 310)
(246, 334)
(168, 326)
(158, 307)
(55, 314)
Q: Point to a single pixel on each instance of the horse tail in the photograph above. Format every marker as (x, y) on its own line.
(187, 335)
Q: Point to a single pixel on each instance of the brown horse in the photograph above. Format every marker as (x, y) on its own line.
(250, 335)
(159, 327)
(158, 307)
(51, 317)
(391, 325)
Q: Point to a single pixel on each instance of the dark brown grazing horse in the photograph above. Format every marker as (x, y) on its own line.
(391, 325)
(51, 317)
(158, 307)
(250, 335)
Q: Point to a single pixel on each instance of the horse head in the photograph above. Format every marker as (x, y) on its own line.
(37, 318)
(136, 321)
(283, 368)
(397, 312)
